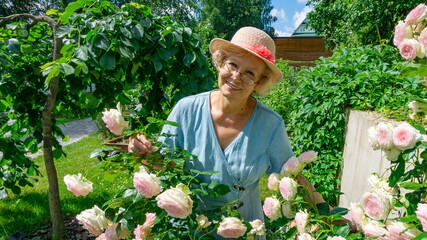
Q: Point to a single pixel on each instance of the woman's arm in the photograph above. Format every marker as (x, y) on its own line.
(313, 196)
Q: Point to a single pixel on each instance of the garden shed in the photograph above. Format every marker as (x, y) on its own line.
(302, 48)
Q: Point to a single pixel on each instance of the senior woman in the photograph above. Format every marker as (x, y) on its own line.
(229, 130)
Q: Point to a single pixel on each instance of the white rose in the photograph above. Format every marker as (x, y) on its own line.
(301, 219)
(391, 154)
(175, 202)
(400, 230)
(385, 135)
(257, 228)
(78, 185)
(231, 227)
(287, 210)
(203, 221)
(372, 138)
(94, 220)
(405, 136)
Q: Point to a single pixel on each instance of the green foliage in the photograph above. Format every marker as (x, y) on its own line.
(353, 23)
(123, 53)
(365, 78)
(225, 17)
(280, 97)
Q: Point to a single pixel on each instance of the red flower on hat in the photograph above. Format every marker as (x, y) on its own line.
(262, 51)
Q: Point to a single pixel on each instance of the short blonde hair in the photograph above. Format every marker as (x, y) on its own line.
(220, 55)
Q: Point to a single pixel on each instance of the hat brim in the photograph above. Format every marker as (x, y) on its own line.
(219, 44)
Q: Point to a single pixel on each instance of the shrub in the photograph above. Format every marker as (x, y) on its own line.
(363, 78)
(280, 97)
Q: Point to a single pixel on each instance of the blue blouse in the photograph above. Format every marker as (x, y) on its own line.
(261, 147)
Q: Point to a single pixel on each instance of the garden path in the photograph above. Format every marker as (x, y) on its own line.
(76, 130)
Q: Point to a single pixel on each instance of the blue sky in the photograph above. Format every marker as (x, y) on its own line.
(289, 13)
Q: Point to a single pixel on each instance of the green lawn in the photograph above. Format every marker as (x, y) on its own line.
(29, 211)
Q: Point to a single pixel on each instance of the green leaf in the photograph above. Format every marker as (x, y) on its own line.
(422, 236)
(189, 58)
(70, 10)
(63, 30)
(146, 22)
(410, 218)
(342, 231)
(57, 153)
(81, 53)
(126, 32)
(67, 69)
(138, 31)
(164, 54)
(3, 193)
(177, 36)
(108, 60)
(129, 193)
(102, 43)
(222, 189)
(13, 45)
(291, 233)
(157, 64)
(126, 52)
(411, 185)
(27, 49)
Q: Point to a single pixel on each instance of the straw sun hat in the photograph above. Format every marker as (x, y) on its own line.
(256, 42)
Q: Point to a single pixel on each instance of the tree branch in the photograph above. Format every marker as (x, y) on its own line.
(35, 19)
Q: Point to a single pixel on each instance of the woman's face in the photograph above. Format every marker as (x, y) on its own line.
(233, 70)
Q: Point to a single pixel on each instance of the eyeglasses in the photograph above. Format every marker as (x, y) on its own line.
(247, 77)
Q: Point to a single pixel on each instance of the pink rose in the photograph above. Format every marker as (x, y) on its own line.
(308, 157)
(273, 181)
(287, 210)
(288, 188)
(405, 136)
(203, 221)
(301, 219)
(176, 202)
(410, 49)
(111, 233)
(377, 204)
(373, 229)
(401, 231)
(147, 184)
(93, 220)
(401, 31)
(231, 227)
(422, 39)
(356, 216)
(422, 215)
(292, 167)
(417, 14)
(114, 121)
(78, 185)
(385, 135)
(142, 231)
(271, 208)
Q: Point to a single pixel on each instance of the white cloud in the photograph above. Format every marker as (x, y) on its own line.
(286, 33)
(282, 34)
(302, 1)
(300, 16)
(280, 14)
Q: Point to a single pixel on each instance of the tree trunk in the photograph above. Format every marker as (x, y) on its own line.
(58, 226)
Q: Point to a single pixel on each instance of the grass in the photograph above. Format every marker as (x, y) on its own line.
(30, 211)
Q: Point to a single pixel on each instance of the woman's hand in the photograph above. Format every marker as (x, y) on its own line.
(139, 145)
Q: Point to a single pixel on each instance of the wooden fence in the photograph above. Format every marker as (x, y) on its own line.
(300, 51)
